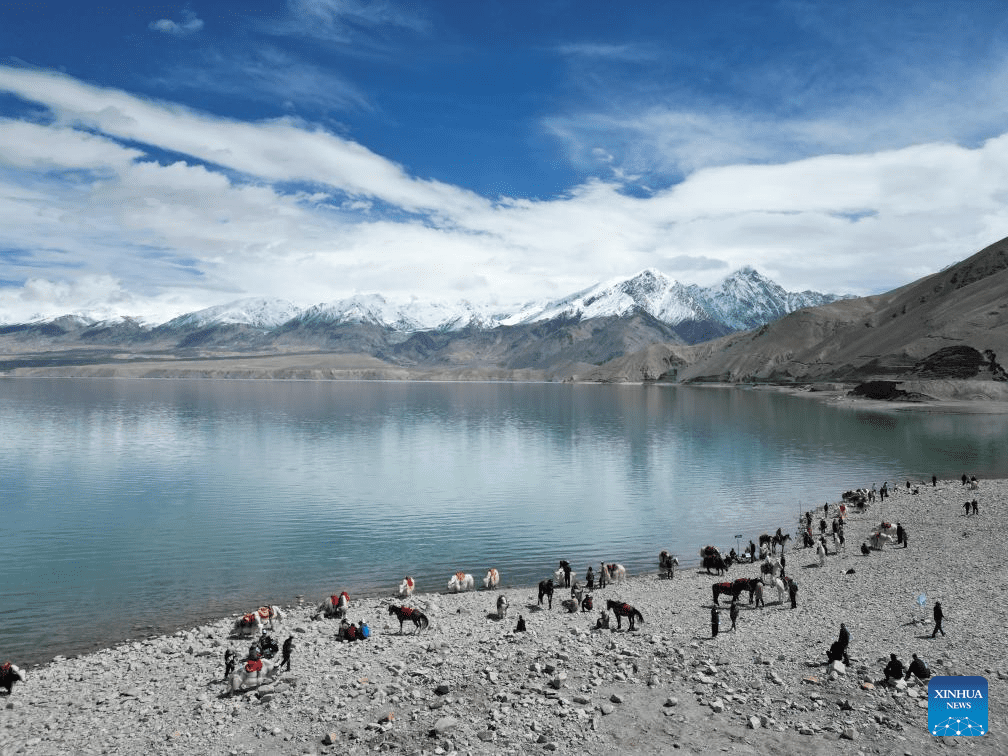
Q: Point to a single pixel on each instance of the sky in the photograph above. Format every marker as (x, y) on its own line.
(157, 159)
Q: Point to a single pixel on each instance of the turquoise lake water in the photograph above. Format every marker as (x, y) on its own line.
(135, 507)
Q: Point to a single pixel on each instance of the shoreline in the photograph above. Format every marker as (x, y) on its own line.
(575, 689)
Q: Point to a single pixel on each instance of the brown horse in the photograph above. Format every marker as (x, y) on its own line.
(418, 618)
(624, 610)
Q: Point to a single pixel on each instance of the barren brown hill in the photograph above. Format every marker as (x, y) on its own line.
(883, 337)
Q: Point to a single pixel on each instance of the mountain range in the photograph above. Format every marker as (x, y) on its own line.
(949, 326)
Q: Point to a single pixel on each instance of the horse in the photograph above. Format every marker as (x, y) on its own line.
(492, 579)
(418, 618)
(546, 589)
(770, 567)
(10, 674)
(779, 539)
(709, 551)
(406, 587)
(617, 573)
(878, 540)
(248, 624)
(461, 581)
(718, 588)
(253, 673)
(745, 584)
(333, 607)
(667, 564)
(624, 610)
(502, 606)
(779, 585)
(716, 562)
(253, 621)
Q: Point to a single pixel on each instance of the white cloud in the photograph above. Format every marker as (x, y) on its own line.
(190, 24)
(95, 224)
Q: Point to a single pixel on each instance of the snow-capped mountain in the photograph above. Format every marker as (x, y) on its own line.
(410, 317)
(258, 312)
(742, 301)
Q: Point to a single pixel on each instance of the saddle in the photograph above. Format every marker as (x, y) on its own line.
(265, 612)
(248, 619)
(5, 668)
(626, 609)
(253, 665)
(405, 612)
(460, 576)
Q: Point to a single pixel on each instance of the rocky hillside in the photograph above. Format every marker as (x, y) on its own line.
(890, 336)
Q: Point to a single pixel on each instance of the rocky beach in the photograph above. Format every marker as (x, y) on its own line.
(470, 683)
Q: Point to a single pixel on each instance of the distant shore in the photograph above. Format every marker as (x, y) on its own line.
(470, 683)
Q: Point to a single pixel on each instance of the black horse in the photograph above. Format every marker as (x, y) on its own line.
(716, 562)
(624, 610)
(546, 589)
(418, 618)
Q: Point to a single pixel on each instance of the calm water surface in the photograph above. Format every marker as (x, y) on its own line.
(132, 507)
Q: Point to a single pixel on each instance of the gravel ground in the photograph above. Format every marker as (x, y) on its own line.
(469, 683)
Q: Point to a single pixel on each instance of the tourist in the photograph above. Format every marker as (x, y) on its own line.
(229, 663)
(733, 612)
(966, 506)
(590, 578)
(934, 483)
(894, 669)
(288, 646)
(844, 641)
(715, 620)
(974, 506)
(939, 615)
(918, 668)
(899, 533)
(793, 593)
(520, 628)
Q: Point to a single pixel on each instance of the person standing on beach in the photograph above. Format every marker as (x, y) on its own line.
(934, 481)
(966, 506)
(229, 663)
(964, 479)
(715, 621)
(590, 578)
(899, 533)
(288, 646)
(974, 506)
(844, 641)
(793, 593)
(783, 562)
(939, 615)
(733, 612)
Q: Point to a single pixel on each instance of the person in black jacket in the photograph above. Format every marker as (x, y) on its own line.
(715, 621)
(939, 615)
(894, 669)
(919, 668)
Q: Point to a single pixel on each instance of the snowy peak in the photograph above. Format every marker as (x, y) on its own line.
(257, 312)
(412, 316)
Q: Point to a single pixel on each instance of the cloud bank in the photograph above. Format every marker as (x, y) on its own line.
(121, 205)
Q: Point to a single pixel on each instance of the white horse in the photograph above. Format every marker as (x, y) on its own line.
(779, 585)
(820, 554)
(878, 540)
(461, 581)
(333, 607)
(502, 606)
(253, 621)
(617, 573)
(770, 567)
(253, 673)
(406, 587)
(492, 579)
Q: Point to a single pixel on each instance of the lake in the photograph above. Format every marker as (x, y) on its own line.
(134, 507)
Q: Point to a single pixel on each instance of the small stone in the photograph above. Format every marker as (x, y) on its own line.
(717, 705)
(388, 717)
(671, 702)
(442, 689)
(487, 736)
(445, 725)
(607, 708)
(849, 733)
(550, 746)
(754, 723)
(867, 686)
(616, 698)
(579, 699)
(839, 667)
(810, 680)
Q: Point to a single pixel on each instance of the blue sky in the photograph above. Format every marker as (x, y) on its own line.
(156, 159)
